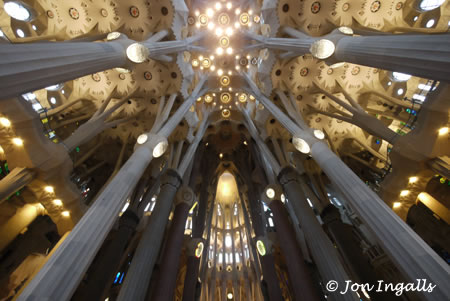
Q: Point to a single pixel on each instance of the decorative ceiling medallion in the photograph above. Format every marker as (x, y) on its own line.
(208, 98)
(147, 75)
(134, 11)
(256, 19)
(254, 61)
(224, 41)
(225, 97)
(206, 63)
(330, 71)
(399, 6)
(345, 7)
(224, 19)
(104, 12)
(243, 61)
(315, 7)
(356, 70)
(225, 80)
(50, 14)
(203, 19)
(96, 77)
(74, 14)
(375, 6)
(243, 97)
(195, 63)
(244, 19)
(191, 20)
(122, 76)
(304, 71)
(226, 113)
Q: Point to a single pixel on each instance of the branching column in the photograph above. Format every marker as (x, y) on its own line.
(18, 178)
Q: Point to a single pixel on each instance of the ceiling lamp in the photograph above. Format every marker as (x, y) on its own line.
(5, 122)
(443, 131)
(230, 296)
(413, 180)
(301, 145)
(142, 139)
(270, 193)
(225, 80)
(208, 98)
(224, 42)
(57, 202)
(65, 213)
(322, 49)
(17, 11)
(195, 63)
(17, 141)
(226, 113)
(404, 192)
(244, 19)
(225, 97)
(396, 205)
(206, 63)
(203, 19)
(243, 97)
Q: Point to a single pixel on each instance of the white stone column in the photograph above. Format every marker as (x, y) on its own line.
(15, 180)
(141, 269)
(412, 256)
(425, 56)
(54, 282)
(33, 66)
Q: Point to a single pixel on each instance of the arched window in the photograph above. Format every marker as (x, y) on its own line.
(17, 11)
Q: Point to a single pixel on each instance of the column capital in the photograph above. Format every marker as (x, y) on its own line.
(287, 174)
(171, 177)
(185, 195)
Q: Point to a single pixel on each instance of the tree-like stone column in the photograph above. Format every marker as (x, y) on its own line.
(18, 178)
(53, 282)
(301, 282)
(166, 282)
(413, 257)
(140, 272)
(33, 66)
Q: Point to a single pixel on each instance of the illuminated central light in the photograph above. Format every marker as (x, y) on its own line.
(206, 63)
(443, 131)
(224, 42)
(208, 98)
(230, 296)
(226, 113)
(225, 97)
(270, 193)
(49, 189)
(199, 250)
(160, 149)
(261, 247)
(244, 19)
(195, 63)
(301, 145)
(225, 80)
(203, 19)
(242, 97)
(224, 19)
(322, 49)
(137, 53)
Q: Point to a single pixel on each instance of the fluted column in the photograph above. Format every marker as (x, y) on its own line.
(420, 55)
(18, 178)
(103, 276)
(167, 280)
(139, 273)
(299, 277)
(322, 250)
(351, 251)
(32, 66)
(79, 249)
(413, 257)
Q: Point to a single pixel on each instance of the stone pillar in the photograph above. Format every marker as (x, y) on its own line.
(425, 56)
(18, 178)
(167, 280)
(299, 277)
(140, 271)
(79, 249)
(100, 280)
(412, 256)
(193, 263)
(324, 254)
(351, 252)
(21, 219)
(33, 66)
